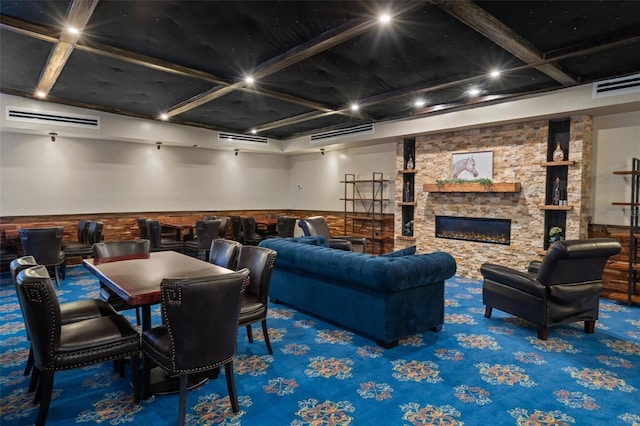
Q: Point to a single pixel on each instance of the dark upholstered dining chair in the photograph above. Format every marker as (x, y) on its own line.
(199, 330)
(317, 225)
(160, 243)
(260, 261)
(77, 310)
(143, 232)
(114, 251)
(225, 221)
(45, 245)
(249, 234)
(224, 253)
(206, 231)
(565, 288)
(93, 234)
(58, 347)
(286, 226)
(236, 229)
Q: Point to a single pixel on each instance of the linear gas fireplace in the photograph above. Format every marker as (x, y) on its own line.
(483, 230)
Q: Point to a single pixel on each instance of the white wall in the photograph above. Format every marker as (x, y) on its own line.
(38, 176)
(616, 141)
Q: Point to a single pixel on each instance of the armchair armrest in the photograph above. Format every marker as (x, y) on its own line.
(340, 244)
(359, 242)
(522, 281)
(534, 267)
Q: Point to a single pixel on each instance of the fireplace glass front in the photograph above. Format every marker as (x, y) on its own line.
(483, 230)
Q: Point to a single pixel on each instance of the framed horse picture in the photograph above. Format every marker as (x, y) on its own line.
(472, 165)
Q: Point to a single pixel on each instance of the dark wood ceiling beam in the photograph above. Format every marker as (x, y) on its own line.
(297, 54)
(78, 15)
(487, 25)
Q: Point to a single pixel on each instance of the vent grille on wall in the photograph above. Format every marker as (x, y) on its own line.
(52, 117)
(342, 133)
(236, 137)
(617, 86)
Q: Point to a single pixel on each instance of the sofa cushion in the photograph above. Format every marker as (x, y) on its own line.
(408, 251)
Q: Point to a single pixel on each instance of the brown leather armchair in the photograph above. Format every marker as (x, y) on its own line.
(317, 225)
(565, 288)
(199, 331)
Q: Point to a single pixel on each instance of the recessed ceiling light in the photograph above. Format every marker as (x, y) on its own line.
(41, 94)
(355, 107)
(419, 103)
(254, 131)
(249, 80)
(73, 30)
(494, 74)
(164, 117)
(385, 18)
(474, 91)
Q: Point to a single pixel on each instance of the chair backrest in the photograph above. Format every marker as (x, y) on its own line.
(83, 231)
(575, 261)
(41, 312)
(44, 244)
(286, 226)
(260, 261)
(224, 253)
(316, 225)
(201, 315)
(236, 228)
(248, 226)
(207, 231)
(208, 217)
(94, 234)
(142, 228)
(121, 250)
(18, 265)
(154, 233)
(224, 226)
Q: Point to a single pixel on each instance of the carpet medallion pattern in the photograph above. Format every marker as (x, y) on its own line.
(476, 371)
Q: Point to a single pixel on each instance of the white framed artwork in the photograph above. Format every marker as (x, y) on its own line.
(472, 165)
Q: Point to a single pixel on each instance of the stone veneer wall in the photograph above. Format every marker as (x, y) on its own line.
(518, 151)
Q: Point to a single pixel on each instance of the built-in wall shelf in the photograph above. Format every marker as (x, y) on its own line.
(405, 203)
(545, 207)
(405, 238)
(558, 163)
(407, 171)
(472, 187)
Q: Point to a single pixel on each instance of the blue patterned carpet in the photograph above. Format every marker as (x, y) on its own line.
(476, 371)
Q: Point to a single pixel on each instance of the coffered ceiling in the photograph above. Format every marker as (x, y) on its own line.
(311, 61)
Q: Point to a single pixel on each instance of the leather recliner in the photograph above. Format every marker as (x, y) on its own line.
(564, 287)
(317, 225)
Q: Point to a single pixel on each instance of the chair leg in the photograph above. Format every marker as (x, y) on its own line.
(265, 332)
(45, 388)
(27, 368)
(543, 332)
(135, 377)
(487, 311)
(33, 383)
(138, 316)
(231, 386)
(183, 398)
(249, 334)
(57, 275)
(146, 376)
(590, 326)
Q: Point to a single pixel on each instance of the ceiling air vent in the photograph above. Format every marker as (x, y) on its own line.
(342, 133)
(52, 118)
(617, 86)
(237, 137)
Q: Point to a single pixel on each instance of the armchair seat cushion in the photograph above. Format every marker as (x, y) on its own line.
(523, 281)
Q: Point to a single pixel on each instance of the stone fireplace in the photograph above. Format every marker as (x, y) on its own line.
(519, 153)
(482, 230)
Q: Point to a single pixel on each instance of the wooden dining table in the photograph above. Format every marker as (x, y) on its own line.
(179, 228)
(137, 280)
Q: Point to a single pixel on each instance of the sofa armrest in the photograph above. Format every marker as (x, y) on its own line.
(522, 281)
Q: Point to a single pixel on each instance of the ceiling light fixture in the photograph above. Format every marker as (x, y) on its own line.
(249, 80)
(41, 94)
(164, 117)
(236, 151)
(254, 131)
(53, 136)
(158, 145)
(322, 151)
(419, 103)
(354, 107)
(474, 91)
(73, 30)
(494, 74)
(385, 18)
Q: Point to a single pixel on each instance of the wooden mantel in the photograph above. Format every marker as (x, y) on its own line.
(472, 187)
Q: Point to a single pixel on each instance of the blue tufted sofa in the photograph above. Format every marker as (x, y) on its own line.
(384, 297)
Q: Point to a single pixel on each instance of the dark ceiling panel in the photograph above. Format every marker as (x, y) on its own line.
(18, 71)
(111, 83)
